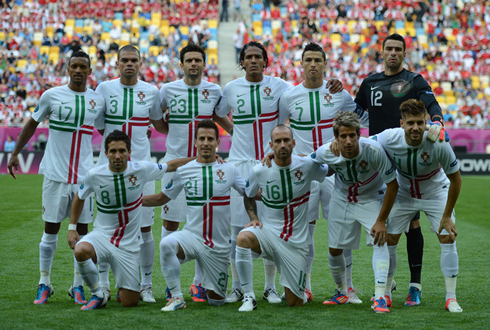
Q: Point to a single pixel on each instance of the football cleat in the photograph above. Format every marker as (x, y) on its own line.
(337, 299)
(380, 306)
(271, 296)
(308, 293)
(95, 302)
(43, 293)
(353, 299)
(414, 295)
(174, 304)
(393, 286)
(388, 301)
(78, 294)
(453, 306)
(146, 295)
(234, 296)
(168, 293)
(249, 304)
(198, 293)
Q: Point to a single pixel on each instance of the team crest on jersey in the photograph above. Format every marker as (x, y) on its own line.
(81, 186)
(220, 175)
(328, 99)
(133, 179)
(363, 166)
(426, 159)
(313, 155)
(299, 176)
(92, 104)
(400, 88)
(165, 209)
(169, 184)
(268, 92)
(141, 96)
(205, 94)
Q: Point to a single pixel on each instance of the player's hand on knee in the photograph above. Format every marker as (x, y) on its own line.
(379, 233)
(254, 223)
(73, 238)
(450, 227)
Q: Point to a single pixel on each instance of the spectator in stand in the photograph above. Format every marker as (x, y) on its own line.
(9, 144)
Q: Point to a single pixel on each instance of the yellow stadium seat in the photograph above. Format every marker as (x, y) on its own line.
(441, 99)
(105, 36)
(70, 22)
(54, 58)
(212, 51)
(434, 84)
(21, 64)
(401, 31)
(379, 24)
(410, 25)
(184, 30)
(411, 31)
(213, 24)
(212, 44)
(154, 50)
(88, 29)
(294, 24)
(355, 38)
(446, 86)
(54, 50)
(69, 30)
(78, 30)
(212, 57)
(364, 51)
(351, 24)
(2, 36)
(92, 50)
(49, 30)
(125, 36)
(44, 50)
(451, 99)
(257, 25)
(184, 43)
(475, 82)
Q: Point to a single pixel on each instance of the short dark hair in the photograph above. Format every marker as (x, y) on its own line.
(117, 136)
(395, 36)
(207, 123)
(412, 107)
(346, 119)
(313, 47)
(128, 48)
(192, 47)
(281, 126)
(254, 44)
(79, 54)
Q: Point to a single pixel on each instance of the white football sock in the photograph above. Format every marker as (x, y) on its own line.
(337, 268)
(244, 266)
(381, 265)
(169, 248)
(270, 274)
(391, 271)
(311, 254)
(450, 268)
(147, 256)
(77, 278)
(47, 247)
(104, 274)
(348, 267)
(234, 274)
(88, 271)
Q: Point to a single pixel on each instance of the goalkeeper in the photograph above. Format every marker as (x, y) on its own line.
(382, 94)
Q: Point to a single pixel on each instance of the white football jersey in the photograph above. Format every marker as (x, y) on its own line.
(422, 169)
(207, 190)
(119, 199)
(187, 106)
(129, 109)
(362, 178)
(285, 194)
(255, 113)
(311, 113)
(72, 118)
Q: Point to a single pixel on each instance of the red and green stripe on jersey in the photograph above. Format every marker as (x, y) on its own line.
(410, 172)
(316, 124)
(281, 196)
(186, 112)
(120, 206)
(125, 119)
(71, 120)
(205, 199)
(256, 118)
(351, 176)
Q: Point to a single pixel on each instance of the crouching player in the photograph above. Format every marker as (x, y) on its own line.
(430, 181)
(116, 237)
(365, 190)
(206, 236)
(282, 234)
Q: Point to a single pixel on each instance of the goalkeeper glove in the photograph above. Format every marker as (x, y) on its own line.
(437, 132)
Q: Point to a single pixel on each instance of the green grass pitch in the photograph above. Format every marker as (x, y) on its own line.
(21, 228)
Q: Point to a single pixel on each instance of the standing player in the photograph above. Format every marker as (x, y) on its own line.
(365, 190)
(381, 94)
(311, 109)
(423, 172)
(73, 112)
(131, 104)
(206, 235)
(282, 235)
(116, 237)
(188, 101)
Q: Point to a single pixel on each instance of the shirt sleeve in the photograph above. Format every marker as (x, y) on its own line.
(43, 108)
(156, 111)
(86, 187)
(447, 158)
(383, 164)
(163, 100)
(319, 155)
(348, 104)
(361, 96)
(174, 186)
(319, 171)
(222, 109)
(154, 171)
(283, 109)
(239, 182)
(426, 95)
(99, 122)
(252, 186)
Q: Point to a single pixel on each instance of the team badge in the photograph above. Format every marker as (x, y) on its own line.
(133, 180)
(165, 209)
(169, 184)
(328, 97)
(205, 94)
(400, 88)
(425, 157)
(141, 96)
(298, 175)
(363, 165)
(92, 104)
(220, 175)
(267, 91)
(313, 155)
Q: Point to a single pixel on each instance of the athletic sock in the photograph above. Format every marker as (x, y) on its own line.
(311, 254)
(348, 267)
(104, 274)
(147, 256)
(198, 276)
(88, 271)
(47, 247)
(170, 264)
(450, 268)
(77, 278)
(234, 274)
(244, 266)
(381, 265)
(270, 274)
(415, 251)
(392, 269)
(337, 268)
